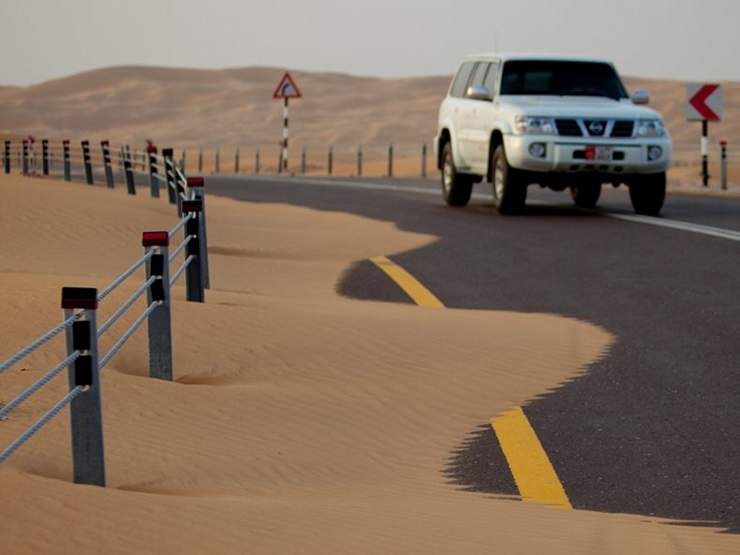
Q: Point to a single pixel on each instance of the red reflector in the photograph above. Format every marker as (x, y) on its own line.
(65, 142)
(155, 239)
(104, 143)
(196, 182)
(590, 152)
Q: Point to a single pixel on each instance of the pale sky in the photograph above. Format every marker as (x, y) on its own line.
(679, 39)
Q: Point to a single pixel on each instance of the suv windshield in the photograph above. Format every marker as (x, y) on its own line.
(542, 77)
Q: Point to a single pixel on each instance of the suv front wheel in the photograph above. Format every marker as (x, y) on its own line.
(647, 193)
(456, 187)
(509, 190)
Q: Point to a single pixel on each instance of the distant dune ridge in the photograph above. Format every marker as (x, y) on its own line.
(190, 108)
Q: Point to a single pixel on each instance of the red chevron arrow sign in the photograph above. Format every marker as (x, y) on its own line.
(704, 102)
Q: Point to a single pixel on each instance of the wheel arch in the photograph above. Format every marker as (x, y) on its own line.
(444, 137)
(497, 139)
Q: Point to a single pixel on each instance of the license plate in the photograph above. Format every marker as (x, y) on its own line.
(599, 153)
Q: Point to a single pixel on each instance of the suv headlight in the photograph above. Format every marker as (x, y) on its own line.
(533, 125)
(649, 128)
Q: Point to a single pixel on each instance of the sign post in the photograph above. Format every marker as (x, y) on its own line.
(704, 103)
(285, 90)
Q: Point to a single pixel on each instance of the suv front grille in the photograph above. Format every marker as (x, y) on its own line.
(620, 129)
(623, 128)
(568, 128)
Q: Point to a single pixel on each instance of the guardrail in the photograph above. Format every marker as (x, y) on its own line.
(80, 325)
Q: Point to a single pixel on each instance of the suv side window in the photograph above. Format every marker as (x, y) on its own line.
(460, 85)
(479, 74)
(491, 78)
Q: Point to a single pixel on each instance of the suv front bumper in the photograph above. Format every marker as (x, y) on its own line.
(562, 154)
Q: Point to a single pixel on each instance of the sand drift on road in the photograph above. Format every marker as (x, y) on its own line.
(299, 420)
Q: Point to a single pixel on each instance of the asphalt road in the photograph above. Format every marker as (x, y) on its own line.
(652, 428)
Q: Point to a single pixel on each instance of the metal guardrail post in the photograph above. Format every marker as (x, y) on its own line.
(330, 160)
(160, 320)
(45, 156)
(723, 164)
(107, 164)
(153, 180)
(193, 275)
(128, 171)
(390, 160)
(6, 157)
(86, 416)
(359, 161)
(24, 158)
(169, 173)
(257, 162)
(87, 161)
(424, 160)
(236, 160)
(197, 184)
(67, 162)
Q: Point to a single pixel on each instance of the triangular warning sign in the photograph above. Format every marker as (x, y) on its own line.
(287, 88)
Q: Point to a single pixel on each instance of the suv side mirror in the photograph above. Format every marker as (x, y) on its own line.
(641, 97)
(479, 92)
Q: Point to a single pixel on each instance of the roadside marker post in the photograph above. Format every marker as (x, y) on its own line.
(285, 90)
(153, 180)
(197, 184)
(330, 161)
(257, 162)
(390, 160)
(704, 103)
(107, 164)
(6, 157)
(169, 173)
(86, 419)
(359, 161)
(217, 164)
(128, 171)
(67, 164)
(424, 160)
(45, 156)
(24, 158)
(723, 164)
(159, 324)
(193, 275)
(303, 160)
(182, 162)
(200, 160)
(87, 162)
(236, 161)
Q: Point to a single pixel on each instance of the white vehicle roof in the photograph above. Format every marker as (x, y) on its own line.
(505, 56)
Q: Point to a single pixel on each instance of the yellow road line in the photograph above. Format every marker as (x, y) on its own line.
(420, 294)
(533, 473)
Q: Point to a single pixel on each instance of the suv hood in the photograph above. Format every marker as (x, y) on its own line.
(576, 107)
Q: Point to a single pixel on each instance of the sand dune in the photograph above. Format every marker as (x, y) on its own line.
(299, 421)
(207, 108)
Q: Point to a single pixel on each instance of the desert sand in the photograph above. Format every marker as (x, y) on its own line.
(299, 421)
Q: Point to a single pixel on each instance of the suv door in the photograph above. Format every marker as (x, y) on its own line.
(482, 119)
(457, 105)
(468, 115)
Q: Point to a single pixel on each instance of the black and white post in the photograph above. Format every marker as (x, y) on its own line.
(284, 157)
(107, 164)
(67, 161)
(45, 156)
(6, 157)
(86, 416)
(160, 319)
(87, 161)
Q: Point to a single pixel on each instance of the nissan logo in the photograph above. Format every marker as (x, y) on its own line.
(596, 128)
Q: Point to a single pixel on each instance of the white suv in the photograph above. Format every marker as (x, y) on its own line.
(560, 122)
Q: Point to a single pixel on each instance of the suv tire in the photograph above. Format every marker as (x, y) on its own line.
(509, 190)
(456, 187)
(586, 195)
(647, 193)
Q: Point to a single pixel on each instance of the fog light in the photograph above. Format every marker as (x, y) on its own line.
(654, 152)
(537, 150)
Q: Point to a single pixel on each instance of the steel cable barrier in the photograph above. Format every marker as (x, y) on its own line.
(82, 333)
